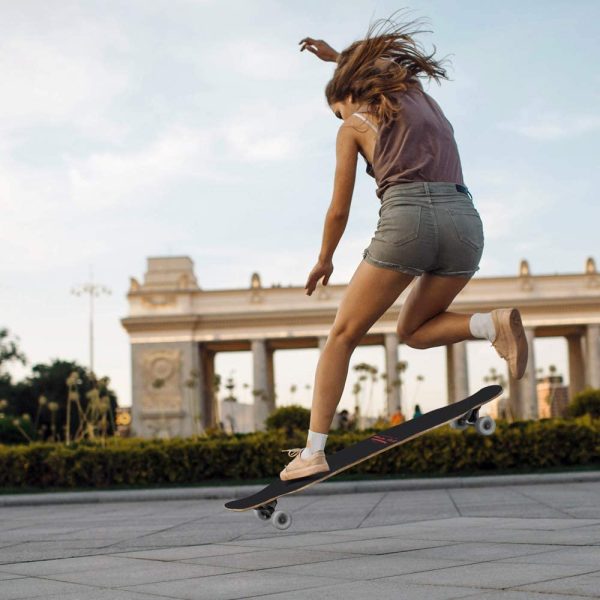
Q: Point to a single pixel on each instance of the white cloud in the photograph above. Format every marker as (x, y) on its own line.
(124, 178)
(550, 126)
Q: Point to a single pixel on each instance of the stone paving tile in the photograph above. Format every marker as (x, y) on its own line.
(372, 547)
(372, 567)
(515, 595)
(268, 559)
(142, 572)
(494, 575)
(236, 586)
(581, 555)
(42, 550)
(476, 552)
(187, 552)
(96, 594)
(358, 590)
(41, 568)
(31, 587)
(5, 576)
(584, 585)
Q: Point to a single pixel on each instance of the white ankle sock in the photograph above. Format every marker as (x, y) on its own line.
(482, 326)
(314, 442)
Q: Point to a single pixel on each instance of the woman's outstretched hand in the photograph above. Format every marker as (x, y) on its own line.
(321, 269)
(319, 48)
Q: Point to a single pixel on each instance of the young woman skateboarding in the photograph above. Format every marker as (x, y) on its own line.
(428, 227)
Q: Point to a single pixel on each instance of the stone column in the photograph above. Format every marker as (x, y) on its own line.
(514, 399)
(457, 371)
(206, 383)
(592, 344)
(391, 370)
(528, 408)
(260, 388)
(270, 380)
(576, 365)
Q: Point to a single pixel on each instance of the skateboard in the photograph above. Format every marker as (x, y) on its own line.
(461, 414)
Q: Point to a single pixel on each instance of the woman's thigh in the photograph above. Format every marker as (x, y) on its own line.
(370, 292)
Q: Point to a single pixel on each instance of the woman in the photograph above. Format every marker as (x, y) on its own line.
(428, 227)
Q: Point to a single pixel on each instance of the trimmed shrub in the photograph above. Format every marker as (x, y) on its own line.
(586, 402)
(289, 418)
(528, 445)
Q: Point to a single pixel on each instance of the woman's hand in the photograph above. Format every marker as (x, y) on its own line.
(320, 48)
(321, 269)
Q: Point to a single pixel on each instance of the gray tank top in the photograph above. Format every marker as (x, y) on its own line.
(418, 145)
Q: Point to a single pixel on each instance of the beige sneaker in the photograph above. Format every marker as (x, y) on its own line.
(510, 342)
(301, 467)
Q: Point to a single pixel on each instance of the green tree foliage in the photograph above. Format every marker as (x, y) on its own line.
(9, 350)
(43, 397)
(290, 418)
(586, 402)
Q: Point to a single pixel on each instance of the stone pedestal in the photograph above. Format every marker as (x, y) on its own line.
(166, 399)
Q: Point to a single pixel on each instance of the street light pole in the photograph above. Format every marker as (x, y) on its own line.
(93, 290)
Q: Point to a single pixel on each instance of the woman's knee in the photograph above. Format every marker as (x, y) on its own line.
(411, 338)
(345, 335)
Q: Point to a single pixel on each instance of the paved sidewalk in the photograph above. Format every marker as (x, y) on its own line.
(514, 542)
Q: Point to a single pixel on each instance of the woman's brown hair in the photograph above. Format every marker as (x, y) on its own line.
(357, 74)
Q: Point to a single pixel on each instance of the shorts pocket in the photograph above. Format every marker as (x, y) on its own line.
(468, 226)
(400, 224)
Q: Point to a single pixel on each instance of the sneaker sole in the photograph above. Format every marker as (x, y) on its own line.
(305, 472)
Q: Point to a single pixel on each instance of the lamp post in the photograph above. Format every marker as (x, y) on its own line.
(93, 290)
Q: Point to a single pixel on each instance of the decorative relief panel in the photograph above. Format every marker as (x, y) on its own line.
(161, 380)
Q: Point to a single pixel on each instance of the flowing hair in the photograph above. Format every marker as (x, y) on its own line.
(375, 85)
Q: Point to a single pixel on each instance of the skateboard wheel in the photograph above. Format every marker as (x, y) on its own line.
(485, 425)
(458, 424)
(281, 519)
(262, 514)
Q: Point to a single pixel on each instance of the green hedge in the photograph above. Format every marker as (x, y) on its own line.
(529, 445)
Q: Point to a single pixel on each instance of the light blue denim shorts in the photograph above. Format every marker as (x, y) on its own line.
(427, 227)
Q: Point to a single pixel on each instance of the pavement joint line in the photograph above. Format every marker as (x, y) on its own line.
(326, 488)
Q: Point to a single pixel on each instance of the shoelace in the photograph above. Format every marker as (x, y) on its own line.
(292, 452)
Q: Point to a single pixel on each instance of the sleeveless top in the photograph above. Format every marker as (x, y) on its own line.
(418, 145)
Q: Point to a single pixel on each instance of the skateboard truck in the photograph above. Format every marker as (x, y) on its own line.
(483, 425)
(279, 518)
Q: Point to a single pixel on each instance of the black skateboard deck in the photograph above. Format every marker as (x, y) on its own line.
(374, 445)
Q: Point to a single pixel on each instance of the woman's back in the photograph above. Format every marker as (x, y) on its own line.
(418, 145)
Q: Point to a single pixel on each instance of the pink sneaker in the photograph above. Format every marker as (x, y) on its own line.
(301, 467)
(510, 342)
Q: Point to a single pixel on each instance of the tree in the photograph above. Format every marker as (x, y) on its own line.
(9, 350)
(52, 389)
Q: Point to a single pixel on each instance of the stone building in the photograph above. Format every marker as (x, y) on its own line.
(553, 397)
(176, 328)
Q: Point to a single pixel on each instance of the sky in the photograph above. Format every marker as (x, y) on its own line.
(145, 128)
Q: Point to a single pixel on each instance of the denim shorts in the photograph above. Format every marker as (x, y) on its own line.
(427, 227)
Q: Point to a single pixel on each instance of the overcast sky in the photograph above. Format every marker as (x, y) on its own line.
(148, 128)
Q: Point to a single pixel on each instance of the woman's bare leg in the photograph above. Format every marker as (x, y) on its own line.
(371, 291)
(424, 322)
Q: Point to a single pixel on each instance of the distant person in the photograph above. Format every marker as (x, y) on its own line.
(428, 226)
(417, 412)
(397, 418)
(344, 420)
